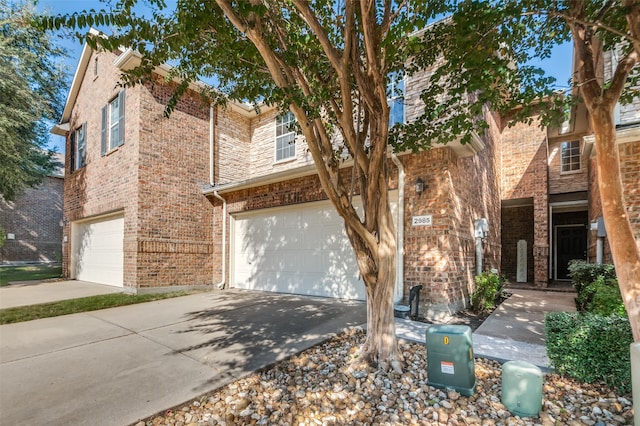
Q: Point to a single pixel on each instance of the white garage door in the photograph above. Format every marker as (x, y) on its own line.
(299, 249)
(98, 250)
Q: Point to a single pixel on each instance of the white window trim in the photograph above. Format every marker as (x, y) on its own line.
(275, 143)
(571, 172)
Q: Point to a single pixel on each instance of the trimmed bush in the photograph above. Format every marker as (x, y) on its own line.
(583, 273)
(591, 348)
(488, 290)
(605, 298)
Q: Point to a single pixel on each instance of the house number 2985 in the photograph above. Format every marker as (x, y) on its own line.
(422, 220)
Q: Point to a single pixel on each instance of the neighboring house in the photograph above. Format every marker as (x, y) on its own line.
(33, 222)
(227, 197)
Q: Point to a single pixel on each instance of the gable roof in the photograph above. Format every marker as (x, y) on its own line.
(128, 59)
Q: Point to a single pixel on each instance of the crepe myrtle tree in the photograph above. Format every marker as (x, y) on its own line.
(483, 42)
(328, 62)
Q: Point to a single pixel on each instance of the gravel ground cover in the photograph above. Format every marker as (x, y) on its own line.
(319, 387)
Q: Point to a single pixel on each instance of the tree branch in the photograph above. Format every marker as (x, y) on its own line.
(583, 45)
(620, 75)
(310, 18)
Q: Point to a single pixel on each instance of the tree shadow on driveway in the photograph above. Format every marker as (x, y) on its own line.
(244, 331)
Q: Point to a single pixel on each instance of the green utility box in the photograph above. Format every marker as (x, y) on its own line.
(522, 388)
(450, 362)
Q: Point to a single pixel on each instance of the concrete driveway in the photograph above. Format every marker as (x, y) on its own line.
(115, 366)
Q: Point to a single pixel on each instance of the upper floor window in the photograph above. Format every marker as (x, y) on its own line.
(112, 124)
(395, 93)
(570, 157)
(79, 147)
(285, 137)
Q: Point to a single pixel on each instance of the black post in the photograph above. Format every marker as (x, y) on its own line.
(414, 300)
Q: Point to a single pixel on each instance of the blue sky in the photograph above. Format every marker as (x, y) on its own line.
(558, 65)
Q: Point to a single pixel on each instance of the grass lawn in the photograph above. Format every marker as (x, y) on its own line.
(65, 307)
(28, 273)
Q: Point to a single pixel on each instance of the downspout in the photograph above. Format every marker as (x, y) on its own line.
(221, 284)
(399, 289)
(211, 146)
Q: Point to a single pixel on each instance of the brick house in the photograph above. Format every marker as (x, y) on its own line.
(33, 222)
(219, 198)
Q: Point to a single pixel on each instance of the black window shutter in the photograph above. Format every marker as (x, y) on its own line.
(121, 118)
(72, 151)
(103, 134)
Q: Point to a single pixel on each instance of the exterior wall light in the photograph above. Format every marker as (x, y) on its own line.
(419, 186)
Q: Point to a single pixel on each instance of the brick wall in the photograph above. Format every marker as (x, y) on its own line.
(232, 147)
(560, 182)
(441, 257)
(174, 230)
(630, 173)
(156, 178)
(524, 174)
(107, 183)
(629, 113)
(517, 224)
(263, 142)
(34, 218)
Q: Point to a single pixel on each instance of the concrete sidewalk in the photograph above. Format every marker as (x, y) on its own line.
(514, 331)
(115, 366)
(35, 292)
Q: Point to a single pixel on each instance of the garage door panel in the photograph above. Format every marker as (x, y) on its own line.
(299, 249)
(98, 251)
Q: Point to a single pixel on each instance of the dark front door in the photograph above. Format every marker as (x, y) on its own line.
(571, 244)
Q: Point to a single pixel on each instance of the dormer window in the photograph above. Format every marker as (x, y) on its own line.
(285, 137)
(570, 157)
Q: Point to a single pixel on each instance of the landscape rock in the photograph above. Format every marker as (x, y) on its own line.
(320, 387)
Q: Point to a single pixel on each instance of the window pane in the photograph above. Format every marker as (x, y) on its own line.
(79, 154)
(570, 156)
(114, 110)
(396, 113)
(395, 93)
(285, 147)
(113, 136)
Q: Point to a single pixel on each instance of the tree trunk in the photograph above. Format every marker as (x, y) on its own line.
(616, 219)
(381, 345)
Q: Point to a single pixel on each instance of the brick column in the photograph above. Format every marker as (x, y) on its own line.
(541, 239)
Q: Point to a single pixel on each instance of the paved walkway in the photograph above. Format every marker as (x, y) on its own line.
(34, 292)
(514, 331)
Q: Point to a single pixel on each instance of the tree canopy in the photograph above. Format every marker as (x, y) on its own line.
(32, 90)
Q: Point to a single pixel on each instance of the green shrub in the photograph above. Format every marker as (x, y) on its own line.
(590, 347)
(488, 290)
(598, 290)
(605, 298)
(583, 273)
